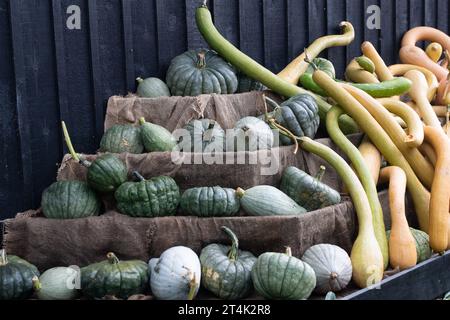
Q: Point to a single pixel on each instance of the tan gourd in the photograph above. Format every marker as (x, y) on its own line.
(440, 191)
(402, 246)
(382, 71)
(399, 70)
(434, 51)
(418, 93)
(413, 123)
(355, 73)
(372, 157)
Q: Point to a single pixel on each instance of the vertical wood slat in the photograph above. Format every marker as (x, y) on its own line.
(128, 45)
(371, 35)
(402, 21)
(387, 34)
(297, 24)
(443, 22)
(355, 13)
(251, 37)
(194, 38)
(430, 13)
(23, 118)
(96, 72)
(60, 54)
(317, 23)
(336, 14)
(226, 19)
(275, 34)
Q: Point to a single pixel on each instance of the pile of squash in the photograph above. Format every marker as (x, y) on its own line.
(398, 109)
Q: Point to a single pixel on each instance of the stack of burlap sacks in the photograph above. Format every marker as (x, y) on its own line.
(48, 243)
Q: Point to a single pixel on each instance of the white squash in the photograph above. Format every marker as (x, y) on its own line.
(251, 134)
(57, 284)
(332, 266)
(176, 275)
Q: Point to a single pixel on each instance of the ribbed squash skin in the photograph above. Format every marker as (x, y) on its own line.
(423, 248)
(69, 200)
(106, 173)
(332, 266)
(16, 279)
(227, 279)
(307, 191)
(156, 138)
(206, 135)
(300, 115)
(278, 276)
(210, 202)
(324, 65)
(122, 138)
(152, 88)
(251, 134)
(57, 284)
(247, 84)
(268, 201)
(121, 279)
(156, 197)
(185, 76)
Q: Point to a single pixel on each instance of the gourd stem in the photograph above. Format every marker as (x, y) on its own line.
(289, 251)
(138, 176)
(201, 62)
(192, 288)
(286, 132)
(3, 258)
(37, 286)
(112, 258)
(142, 120)
(240, 192)
(234, 251)
(139, 79)
(321, 173)
(69, 142)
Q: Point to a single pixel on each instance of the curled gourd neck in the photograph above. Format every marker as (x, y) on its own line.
(321, 173)
(37, 286)
(3, 258)
(234, 250)
(201, 60)
(112, 258)
(288, 251)
(74, 155)
(240, 192)
(138, 176)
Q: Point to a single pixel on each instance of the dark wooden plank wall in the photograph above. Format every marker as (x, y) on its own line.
(49, 73)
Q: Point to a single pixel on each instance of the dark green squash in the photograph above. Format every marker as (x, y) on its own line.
(227, 271)
(122, 138)
(70, 200)
(299, 114)
(105, 174)
(247, 84)
(210, 202)
(280, 276)
(152, 88)
(423, 248)
(156, 197)
(206, 135)
(112, 277)
(202, 71)
(16, 277)
(308, 191)
(156, 138)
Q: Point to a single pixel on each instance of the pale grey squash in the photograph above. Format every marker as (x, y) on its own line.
(58, 283)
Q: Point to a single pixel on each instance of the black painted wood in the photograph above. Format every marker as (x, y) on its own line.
(50, 73)
(426, 281)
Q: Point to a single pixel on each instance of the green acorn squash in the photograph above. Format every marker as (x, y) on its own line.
(202, 71)
(122, 138)
(247, 84)
(251, 134)
(423, 248)
(210, 202)
(69, 200)
(105, 174)
(280, 276)
(16, 277)
(308, 191)
(227, 271)
(322, 64)
(299, 114)
(112, 277)
(268, 201)
(156, 138)
(152, 88)
(206, 135)
(156, 197)
(58, 283)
